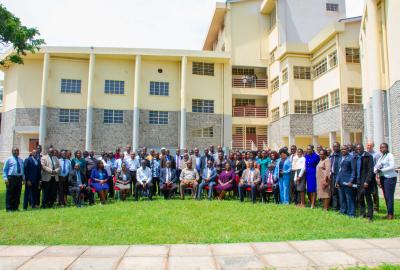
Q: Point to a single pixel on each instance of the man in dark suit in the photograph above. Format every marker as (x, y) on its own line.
(335, 158)
(168, 180)
(364, 166)
(33, 175)
(165, 156)
(178, 159)
(205, 158)
(77, 185)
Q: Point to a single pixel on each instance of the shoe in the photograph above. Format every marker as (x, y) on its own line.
(390, 217)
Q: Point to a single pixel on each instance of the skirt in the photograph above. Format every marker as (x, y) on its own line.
(122, 186)
(100, 187)
(300, 185)
(228, 187)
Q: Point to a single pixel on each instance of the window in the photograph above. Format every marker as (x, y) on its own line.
(332, 58)
(159, 88)
(71, 86)
(200, 68)
(243, 71)
(203, 106)
(320, 68)
(69, 116)
(321, 104)
(354, 95)
(285, 108)
(245, 102)
(302, 73)
(332, 7)
(284, 76)
(158, 118)
(272, 19)
(114, 87)
(335, 99)
(251, 130)
(203, 133)
(113, 117)
(302, 106)
(352, 55)
(275, 84)
(275, 114)
(272, 56)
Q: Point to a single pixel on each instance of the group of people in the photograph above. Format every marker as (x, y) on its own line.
(344, 178)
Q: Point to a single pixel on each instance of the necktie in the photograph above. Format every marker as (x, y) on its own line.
(52, 163)
(177, 161)
(168, 175)
(63, 170)
(18, 166)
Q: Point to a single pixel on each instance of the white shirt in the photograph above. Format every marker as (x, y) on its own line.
(143, 175)
(107, 166)
(132, 164)
(118, 164)
(386, 164)
(299, 164)
(168, 177)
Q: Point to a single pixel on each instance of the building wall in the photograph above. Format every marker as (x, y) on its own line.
(393, 40)
(394, 99)
(203, 120)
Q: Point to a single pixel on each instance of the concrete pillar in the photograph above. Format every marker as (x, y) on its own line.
(89, 106)
(374, 70)
(315, 141)
(292, 140)
(182, 144)
(136, 112)
(43, 102)
(332, 138)
(346, 139)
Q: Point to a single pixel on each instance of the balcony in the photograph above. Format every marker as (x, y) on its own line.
(250, 112)
(255, 83)
(242, 140)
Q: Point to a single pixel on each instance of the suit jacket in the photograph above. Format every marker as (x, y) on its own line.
(205, 159)
(366, 170)
(163, 176)
(47, 168)
(256, 176)
(346, 171)
(164, 161)
(32, 170)
(335, 162)
(264, 178)
(72, 179)
(213, 175)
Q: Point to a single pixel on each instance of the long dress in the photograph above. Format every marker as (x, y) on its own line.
(311, 171)
(323, 170)
(225, 177)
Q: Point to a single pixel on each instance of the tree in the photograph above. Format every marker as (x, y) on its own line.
(22, 38)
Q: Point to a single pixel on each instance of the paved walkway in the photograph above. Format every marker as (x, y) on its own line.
(318, 254)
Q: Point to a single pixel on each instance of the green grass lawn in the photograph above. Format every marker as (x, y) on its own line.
(175, 221)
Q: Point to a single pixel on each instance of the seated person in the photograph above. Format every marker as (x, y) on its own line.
(144, 180)
(99, 177)
(77, 187)
(267, 183)
(208, 176)
(168, 180)
(226, 181)
(250, 179)
(123, 181)
(189, 177)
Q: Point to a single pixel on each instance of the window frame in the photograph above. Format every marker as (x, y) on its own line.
(303, 106)
(203, 68)
(157, 88)
(301, 73)
(332, 7)
(75, 86)
(356, 98)
(321, 104)
(320, 68)
(202, 133)
(114, 87)
(158, 118)
(352, 55)
(285, 75)
(275, 84)
(113, 116)
(275, 114)
(66, 116)
(203, 105)
(334, 98)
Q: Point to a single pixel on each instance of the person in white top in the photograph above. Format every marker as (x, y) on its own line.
(144, 180)
(132, 163)
(386, 178)
(298, 169)
(293, 190)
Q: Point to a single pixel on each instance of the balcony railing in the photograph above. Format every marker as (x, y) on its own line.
(255, 83)
(250, 112)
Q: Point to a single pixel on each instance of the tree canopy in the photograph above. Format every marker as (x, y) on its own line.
(22, 38)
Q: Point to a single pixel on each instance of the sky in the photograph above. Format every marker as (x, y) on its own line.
(167, 24)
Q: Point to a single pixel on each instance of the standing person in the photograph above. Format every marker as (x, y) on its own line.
(13, 175)
(108, 166)
(166, 157)
(127, 151)
(189, 178)
(226, 181)
(323, 180)
(250, 179)
(177, 163)
(299, 169)
(91, 163)
(78, 159)
(375, 192)
(208, 176)
(143, 180)
(133, 164)
(123, 181)
(155, 166)
(117, 154)
(65, 169)
(196, 159)
(335, 158)
(263, 162)
(282, 173)
(344, 182)
(220, 163)
(39, 190)
(240, 165)
(33, 174)
(293, 190)
(99, 177)
(364, 166)
(385, 170)
(168, 180)
(312, 160)
(50, 178)
(205, 158)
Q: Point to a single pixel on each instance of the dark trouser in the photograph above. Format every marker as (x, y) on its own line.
(266, 195)
(168, 190)
(148, 190)
(253, 191)
(375, 194)
(347, 201)
(30, 195)
(62, 189)
(388, 187)
(277, 194)
(335, 202)
(293, 189)
(76, 194)
(156, 188)
(365, 194)
(133, 181)
(38, 191)
(110, 183)
(13, 192)
(202, 185)
(49, 192)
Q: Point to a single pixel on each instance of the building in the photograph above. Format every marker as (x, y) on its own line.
(380, 43)
(271, 73)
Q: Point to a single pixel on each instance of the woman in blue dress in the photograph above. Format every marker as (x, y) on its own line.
(312, 160)
(99, 179)
(282, 174)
